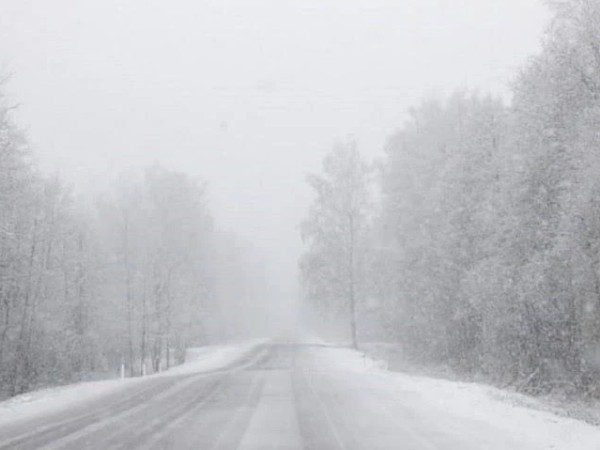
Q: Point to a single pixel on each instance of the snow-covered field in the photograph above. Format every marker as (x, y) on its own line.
(51, 400)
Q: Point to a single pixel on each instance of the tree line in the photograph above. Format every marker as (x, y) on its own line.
(479, 248)
(128, 280)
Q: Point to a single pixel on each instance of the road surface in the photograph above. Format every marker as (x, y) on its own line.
(283, 396)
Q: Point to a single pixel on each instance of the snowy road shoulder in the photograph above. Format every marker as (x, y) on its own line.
(476, 405)
(48, 401)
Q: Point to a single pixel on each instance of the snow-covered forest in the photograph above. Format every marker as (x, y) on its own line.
(128, 280)
(341, 224)
(475, 240)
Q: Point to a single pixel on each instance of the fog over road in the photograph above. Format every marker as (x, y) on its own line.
(283, 396)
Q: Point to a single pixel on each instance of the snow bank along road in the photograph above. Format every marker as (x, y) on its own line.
(294, 396)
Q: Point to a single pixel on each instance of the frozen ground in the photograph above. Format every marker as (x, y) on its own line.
(283, 395)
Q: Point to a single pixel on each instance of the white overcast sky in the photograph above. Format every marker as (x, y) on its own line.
(249, 95)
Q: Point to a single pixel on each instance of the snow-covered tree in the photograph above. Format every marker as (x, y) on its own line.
(336, 231)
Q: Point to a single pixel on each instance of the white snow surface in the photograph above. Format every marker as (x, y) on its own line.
(473, 404)
(52, 400)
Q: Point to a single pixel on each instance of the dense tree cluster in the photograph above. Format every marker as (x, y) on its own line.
(85, 289)
(488, 229)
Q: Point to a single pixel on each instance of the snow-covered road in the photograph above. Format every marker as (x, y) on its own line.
(295, 396)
